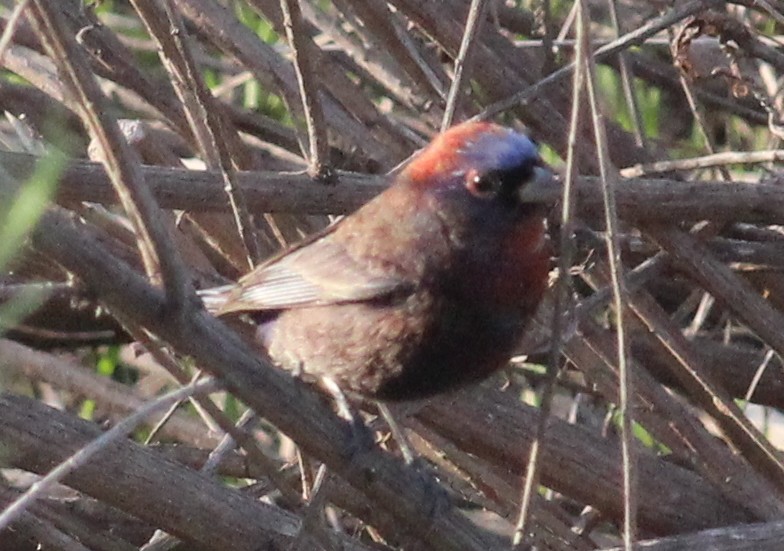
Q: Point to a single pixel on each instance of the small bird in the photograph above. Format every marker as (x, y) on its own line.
(426, 288)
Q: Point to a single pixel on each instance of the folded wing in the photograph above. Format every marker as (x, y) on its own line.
(321, 272)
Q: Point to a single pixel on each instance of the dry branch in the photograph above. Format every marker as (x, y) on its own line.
(576, 462)
(638, 200)
(113, 398)
(293, 408)
(140, 482)
(752, 537)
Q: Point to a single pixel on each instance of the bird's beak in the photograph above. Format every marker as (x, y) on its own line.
(543, 187)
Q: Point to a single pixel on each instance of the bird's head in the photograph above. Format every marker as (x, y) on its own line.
(480, 172)
(486, 190)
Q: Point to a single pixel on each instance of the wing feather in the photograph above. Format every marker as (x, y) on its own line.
(318, 273)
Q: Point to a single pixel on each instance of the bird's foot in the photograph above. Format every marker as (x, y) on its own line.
(361, 437)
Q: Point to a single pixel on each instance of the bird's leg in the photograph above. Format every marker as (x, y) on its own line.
(440, 497)
(360, 434)
(397, 433)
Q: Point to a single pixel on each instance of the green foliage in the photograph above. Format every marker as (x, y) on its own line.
(17, 219)
(20, 306)
(254, 96)
(550, 155)
(533, 368)
(642, 435)
(13, 78)
(263, 28)
(232, 407)
(648, 100)
(23, 212)
(87, 411)
(103, 6)
(107, 362)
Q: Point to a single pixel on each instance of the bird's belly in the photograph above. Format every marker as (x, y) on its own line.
(404, 352)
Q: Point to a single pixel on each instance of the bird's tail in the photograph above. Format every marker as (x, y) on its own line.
(215, 298)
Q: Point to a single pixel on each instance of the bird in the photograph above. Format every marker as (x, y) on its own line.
(426, 288)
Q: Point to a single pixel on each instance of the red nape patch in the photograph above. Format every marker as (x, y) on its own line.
(442, 156)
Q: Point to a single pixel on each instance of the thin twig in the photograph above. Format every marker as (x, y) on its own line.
(165, 26)
(378, 41)
(755, 311)
(311, 529)
(120, 430)
(633, 38)
(157, 250)
(531, 482)
(758, 376)
(221, 27)
(168, 414)
(110, 396)
(162, 541)
(547, 38)
(476, 17)
(702, 125)
(10, 27)
(625, 384)
(419, 69)
(706, 161)
(214, 416)
(318, 154)
(627, 81)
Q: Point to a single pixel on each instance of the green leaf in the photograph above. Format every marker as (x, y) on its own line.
(87, 411)
(23, 212)
(21, 305)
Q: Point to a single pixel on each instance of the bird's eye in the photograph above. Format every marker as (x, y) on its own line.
(484, 186)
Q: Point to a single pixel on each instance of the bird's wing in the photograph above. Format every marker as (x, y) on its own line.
(319, 273)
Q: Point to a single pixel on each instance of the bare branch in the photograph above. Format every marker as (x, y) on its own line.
(159, 255)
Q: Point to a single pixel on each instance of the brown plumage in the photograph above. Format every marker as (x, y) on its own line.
(425, 288)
